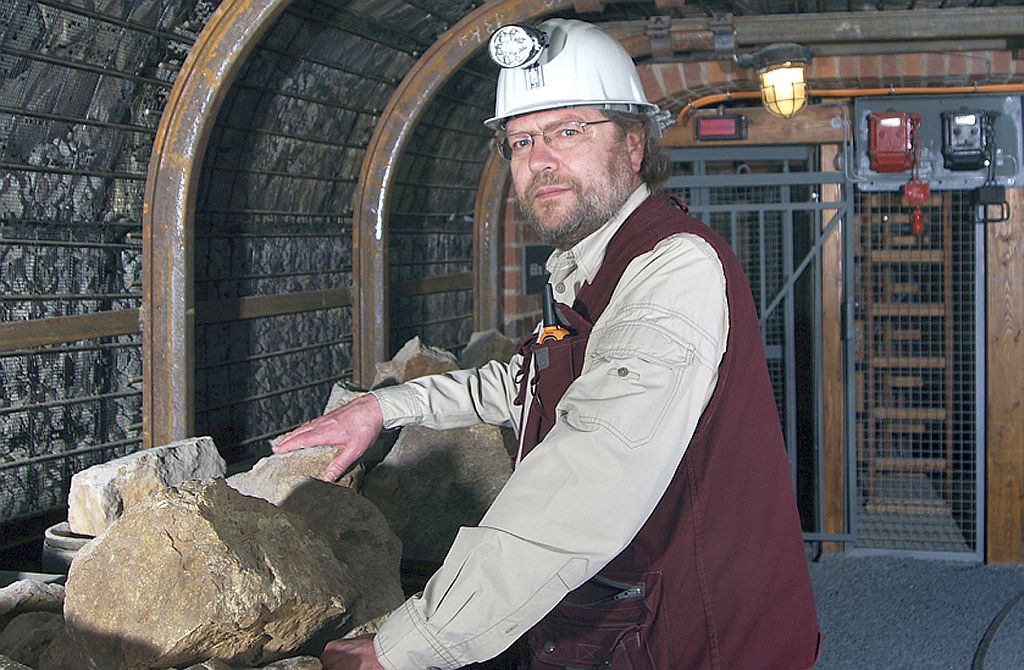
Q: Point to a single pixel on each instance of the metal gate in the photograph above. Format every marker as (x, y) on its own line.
(777, 209)
(911, 469)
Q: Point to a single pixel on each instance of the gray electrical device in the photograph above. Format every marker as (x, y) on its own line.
(937, 169)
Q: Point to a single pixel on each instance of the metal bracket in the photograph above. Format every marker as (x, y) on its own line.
(659, 29)
(723, 33)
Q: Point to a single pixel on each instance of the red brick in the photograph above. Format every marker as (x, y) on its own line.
(672, 76)
(650, 81)
(718, 74)
(890, 68)
(693, 76)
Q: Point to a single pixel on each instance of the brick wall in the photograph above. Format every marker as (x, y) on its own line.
(520, 313)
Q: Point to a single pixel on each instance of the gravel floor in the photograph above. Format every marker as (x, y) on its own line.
(882, 613)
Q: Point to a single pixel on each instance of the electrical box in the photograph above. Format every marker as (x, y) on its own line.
(1000, 120)
(891, 140)
(967, 139)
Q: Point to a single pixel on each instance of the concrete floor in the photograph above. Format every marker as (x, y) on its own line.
(908, 614)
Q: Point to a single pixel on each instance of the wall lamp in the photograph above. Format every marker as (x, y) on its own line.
(780, 71)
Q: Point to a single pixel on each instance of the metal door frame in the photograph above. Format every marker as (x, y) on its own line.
(842, 211)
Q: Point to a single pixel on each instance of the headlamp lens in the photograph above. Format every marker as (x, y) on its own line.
(516, 46)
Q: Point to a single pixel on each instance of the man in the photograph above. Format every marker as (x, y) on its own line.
(607, 547)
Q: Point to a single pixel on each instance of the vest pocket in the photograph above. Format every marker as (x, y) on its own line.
(602, 624)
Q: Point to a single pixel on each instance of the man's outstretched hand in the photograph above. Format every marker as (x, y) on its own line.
(350, 429)
(353, 654)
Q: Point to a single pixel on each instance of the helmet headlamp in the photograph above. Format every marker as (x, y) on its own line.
(517, 46)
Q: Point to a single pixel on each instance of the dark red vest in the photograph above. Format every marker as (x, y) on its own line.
(717, 576)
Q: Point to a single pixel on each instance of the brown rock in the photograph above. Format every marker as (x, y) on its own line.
(433, 482)
(28, 635)
(275, 477)
(202, 572)
(360, 537)
(413, 360)
(486, 346)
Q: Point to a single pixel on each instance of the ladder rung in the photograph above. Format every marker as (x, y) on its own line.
(911, 309)
(906, 255)
(909, 362)
(922, 413)
(909, 464)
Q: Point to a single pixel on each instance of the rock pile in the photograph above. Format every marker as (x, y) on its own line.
(190, 571)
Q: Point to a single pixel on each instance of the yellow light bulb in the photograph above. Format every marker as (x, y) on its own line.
(783, 88)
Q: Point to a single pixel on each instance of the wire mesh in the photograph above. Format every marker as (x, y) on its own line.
(916, 375)
(82, 87)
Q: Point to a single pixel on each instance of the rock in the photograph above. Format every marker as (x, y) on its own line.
(202, 572)
(433, 482)
(102, 493)
(28, 635)
(414, 360)
(486, 346)
(343, 394)
(30, 595)
(275, 477)
(8, 664)
(359, 535)
(212, 664)
(295, 663)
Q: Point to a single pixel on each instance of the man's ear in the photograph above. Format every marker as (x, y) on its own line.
(635, 147)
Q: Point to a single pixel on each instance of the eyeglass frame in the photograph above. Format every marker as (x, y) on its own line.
(504, 149)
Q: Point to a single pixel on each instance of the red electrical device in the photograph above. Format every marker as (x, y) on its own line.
(892, 136)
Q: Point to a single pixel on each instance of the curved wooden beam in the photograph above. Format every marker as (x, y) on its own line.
(376, 178)
(169, 211)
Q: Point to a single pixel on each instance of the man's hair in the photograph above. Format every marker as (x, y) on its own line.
(655, 168)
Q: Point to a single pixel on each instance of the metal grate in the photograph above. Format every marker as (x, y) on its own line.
(915, 372)
(82, 88)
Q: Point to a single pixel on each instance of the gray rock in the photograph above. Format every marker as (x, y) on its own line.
(359, 535)
(202, 572)
(486, 346)
(28, 635)
(29, 595)
(413, 360)
(433, 482)
(293, 663)
(8, 664)
(102, 493)
(275, 477)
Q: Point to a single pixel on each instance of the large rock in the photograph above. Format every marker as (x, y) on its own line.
(294, 663)
(275, 477)
(28, 635)
(360, 537)
(486, 346)
(102, 493)
(433, 482)
(202, 572)
(413, 360)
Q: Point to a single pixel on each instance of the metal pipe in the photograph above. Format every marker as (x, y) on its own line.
(274, 354)
(273, 275)
(53, 169)
(63, 118)
(84, 67)
(72, 244)
(268, 394)
(69, 401)
(291, 136)
(130, 25)
(277, 212)
(330, 104)
(65, 454)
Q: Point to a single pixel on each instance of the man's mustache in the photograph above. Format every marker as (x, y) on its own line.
(547, 179)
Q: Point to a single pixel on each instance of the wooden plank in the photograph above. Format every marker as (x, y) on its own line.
(833, 388)
(904, 381)
(58, 329)
(261, 306)
(923, 413)
(443, 284)
(910, 309)
(1005, 350)
(813, 125)
(910, 464)
(911, 362)
(906, 256)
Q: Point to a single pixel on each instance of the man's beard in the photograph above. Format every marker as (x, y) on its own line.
(591, 211)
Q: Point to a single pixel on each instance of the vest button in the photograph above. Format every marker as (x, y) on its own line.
(560, 287)
(623, 372)
(549, 647)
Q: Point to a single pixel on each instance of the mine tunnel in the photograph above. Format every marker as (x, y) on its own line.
(213, 213)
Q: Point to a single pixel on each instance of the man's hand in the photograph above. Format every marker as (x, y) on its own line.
(353, 654)
(350, 429)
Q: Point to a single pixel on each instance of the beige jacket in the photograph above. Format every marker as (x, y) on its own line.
(585, 491)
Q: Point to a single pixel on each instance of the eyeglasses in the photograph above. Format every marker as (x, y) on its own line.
(559, 135)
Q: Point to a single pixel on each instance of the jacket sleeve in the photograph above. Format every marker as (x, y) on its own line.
(454, 399)
(581, 495)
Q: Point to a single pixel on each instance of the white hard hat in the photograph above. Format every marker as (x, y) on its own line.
(562, 63)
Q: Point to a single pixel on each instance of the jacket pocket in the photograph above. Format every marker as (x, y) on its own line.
(602, 624)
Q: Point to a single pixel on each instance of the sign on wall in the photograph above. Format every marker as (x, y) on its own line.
(535, 275)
